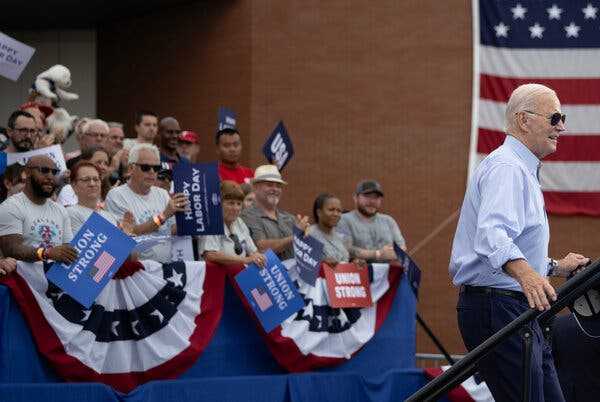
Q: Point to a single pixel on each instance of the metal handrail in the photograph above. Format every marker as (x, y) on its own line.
(465, 367)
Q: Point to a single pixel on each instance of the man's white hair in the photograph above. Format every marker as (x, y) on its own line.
(94, 122)
(134, 152)
(524, 98)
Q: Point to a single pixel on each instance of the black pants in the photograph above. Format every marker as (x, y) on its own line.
(482, 315)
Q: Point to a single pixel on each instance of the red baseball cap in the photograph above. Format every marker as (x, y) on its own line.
(189, 136)
(46, 110)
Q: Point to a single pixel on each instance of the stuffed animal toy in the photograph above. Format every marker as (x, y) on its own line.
(60, 124)
(53, 82)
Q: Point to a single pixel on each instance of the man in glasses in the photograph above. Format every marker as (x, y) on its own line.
(500, 251)
(152, 207)
(32, 226)
(22, 131)
(94, 133)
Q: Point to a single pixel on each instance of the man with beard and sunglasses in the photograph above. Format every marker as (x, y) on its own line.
(371, 233)
(500, 251)
(32, 226)
(152, 207)
(270, 227)
(22, 131)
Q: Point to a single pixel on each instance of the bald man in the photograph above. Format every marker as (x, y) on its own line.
(168, 133)
(32, 226)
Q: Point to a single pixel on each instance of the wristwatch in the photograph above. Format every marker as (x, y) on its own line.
(552, 267)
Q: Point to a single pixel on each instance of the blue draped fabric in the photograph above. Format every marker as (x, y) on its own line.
(236, 365)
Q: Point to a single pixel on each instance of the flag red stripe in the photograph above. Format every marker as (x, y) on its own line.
(573, 91)
(571, 148)
(571, 203)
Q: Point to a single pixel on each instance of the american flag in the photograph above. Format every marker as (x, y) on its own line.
(101, 266)
(262, 298)
(555, 43)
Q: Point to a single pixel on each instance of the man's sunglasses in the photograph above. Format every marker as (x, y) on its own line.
(554, 117)
(146, 168)
(45, 170)
(237, 247)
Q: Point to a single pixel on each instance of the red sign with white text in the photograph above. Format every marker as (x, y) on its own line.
(348, 286)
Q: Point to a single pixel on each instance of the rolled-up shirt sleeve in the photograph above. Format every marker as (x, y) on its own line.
(501, 217)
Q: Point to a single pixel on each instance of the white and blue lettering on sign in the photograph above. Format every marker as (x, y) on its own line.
(279, 149)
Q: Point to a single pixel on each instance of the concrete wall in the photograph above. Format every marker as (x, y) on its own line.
(75, 49)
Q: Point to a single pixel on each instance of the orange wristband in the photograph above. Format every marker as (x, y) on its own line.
(40, 253)
(157, 220)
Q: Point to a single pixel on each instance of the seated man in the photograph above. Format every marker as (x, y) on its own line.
(229, 151)
(152, 208)
(32, 226)
(372, 234)
(270, 227)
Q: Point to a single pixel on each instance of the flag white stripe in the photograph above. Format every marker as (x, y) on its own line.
(581, 119)
(539, 63)
(567, 176)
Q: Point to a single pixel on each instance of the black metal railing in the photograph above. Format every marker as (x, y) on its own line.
(464, 368)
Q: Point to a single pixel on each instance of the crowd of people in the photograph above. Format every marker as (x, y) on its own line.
(129, 182)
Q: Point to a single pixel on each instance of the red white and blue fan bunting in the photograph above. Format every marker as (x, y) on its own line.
(151, 321)
(319, 335)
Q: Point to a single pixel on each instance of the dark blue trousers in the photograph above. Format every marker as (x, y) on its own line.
(482, 315)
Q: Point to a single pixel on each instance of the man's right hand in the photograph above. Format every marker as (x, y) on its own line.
(536, 288)
(63, 253)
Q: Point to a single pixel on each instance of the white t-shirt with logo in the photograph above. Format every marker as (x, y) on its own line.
(143, 207)
(41, 225)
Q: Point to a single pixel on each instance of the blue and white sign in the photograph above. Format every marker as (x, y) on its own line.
(279, 149)
(102, 249)
(14, 57)
(270, 291)
(413, 272)
(201, 184)
(308, 253)
(54, 152)
(227, 119)
(2, 162)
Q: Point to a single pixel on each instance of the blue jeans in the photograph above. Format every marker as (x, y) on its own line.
(482, 315)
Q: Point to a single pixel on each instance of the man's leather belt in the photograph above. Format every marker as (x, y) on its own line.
(486, 290)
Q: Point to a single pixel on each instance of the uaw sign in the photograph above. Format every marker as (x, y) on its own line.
(226, 119)
(201, 184)
(54, 152)
(102, 249)
(348, 286)
(14, 57)
(270, 292)
(308, 253)
(279, 149)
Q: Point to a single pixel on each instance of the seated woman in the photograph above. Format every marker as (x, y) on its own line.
(327, 211)
(99, 157)
(236, 245)
(85, 179)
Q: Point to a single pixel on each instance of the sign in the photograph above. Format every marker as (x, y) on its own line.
(102, 249)
(270, 292)
(279, 149)
(148, 241)
(226, 119)
(14, 57)
(182, 248)
(2, 162)
(413, 272)
(308, 253)
(201, 184)
(348, 286)
(54, 152)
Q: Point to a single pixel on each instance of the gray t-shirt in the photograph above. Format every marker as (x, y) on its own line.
(370, 234)
(264, 228)
(225, 244)
(143, 207)
(41, 225)
(333, 244)
(79, 214)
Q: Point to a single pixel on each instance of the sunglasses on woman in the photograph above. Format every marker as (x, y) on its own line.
(554, 117)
